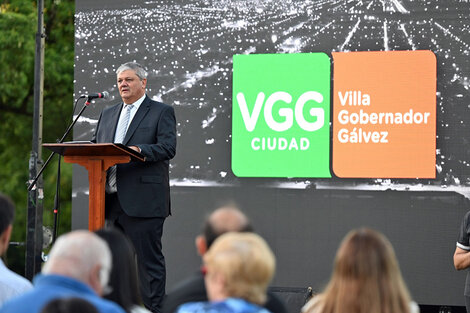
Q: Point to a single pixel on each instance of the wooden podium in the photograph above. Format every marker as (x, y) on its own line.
(96, 158)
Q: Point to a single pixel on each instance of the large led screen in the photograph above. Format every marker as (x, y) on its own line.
(192, 48)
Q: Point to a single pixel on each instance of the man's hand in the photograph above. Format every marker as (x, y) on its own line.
(135, 148)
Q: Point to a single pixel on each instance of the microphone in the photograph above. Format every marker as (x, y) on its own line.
(103, 95)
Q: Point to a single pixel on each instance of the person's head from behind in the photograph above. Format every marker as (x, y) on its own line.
(227, 218)
(239, 265)
(7, 214)
(366, 276)
(81, 255)
(131, 81)
(69, 305)
(123, 280)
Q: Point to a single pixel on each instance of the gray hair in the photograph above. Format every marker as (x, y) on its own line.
(76, 253)
(136, 67)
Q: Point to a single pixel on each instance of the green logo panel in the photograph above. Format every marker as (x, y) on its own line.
(281, 115)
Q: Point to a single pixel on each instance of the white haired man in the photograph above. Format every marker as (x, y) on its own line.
(79, 266)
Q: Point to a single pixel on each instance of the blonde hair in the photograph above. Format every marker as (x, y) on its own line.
(366, 278)
(245, 261)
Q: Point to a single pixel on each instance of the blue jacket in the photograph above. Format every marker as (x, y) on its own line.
(49, 287)
(229, 305)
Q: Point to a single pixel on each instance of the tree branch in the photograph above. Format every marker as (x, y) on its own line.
(23, 108)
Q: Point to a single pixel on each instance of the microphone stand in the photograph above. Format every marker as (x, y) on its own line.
(86, 104)
(56, 202)
(57, 195)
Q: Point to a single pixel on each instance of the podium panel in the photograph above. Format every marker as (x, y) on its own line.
(96, 158)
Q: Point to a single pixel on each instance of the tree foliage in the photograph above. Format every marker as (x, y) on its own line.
(18, 28)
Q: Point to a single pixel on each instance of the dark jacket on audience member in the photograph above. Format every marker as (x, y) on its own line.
(194, 290)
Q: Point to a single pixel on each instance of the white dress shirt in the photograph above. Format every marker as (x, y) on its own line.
(135, 107)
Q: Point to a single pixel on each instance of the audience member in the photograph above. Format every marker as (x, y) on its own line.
(123, 280)
(69, 305)
(238, 268)
(366, 279)
(11, 284)
(462, 255)
(225, 219)
(79, 266)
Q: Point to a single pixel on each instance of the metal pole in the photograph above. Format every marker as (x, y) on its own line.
(36, 195)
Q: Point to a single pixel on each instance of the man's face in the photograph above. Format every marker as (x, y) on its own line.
(131, 88)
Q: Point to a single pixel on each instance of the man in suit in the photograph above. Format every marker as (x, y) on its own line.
(138, 193)
(224, 219)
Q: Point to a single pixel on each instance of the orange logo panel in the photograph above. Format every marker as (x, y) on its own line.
(384, 114)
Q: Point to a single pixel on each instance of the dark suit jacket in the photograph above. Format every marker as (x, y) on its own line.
(193, 289)
(143, 188)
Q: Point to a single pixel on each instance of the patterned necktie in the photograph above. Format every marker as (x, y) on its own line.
(120, 134)
(122, 126)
